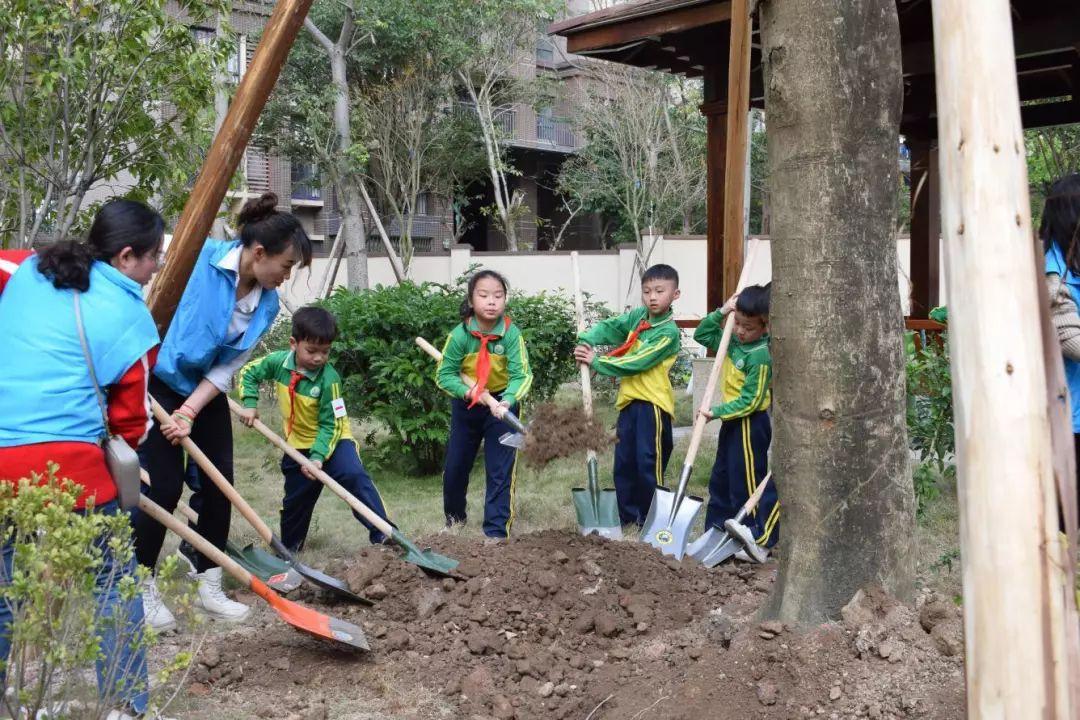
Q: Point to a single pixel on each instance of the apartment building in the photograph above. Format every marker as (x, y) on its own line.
(538, 142)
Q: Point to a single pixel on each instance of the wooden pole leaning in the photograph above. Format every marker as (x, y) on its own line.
(224, 157)
(1016, 637)
(738, 115)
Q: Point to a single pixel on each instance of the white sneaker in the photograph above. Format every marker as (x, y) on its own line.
(119, 715)
(186, 562)
(158, 617)
(212, 599)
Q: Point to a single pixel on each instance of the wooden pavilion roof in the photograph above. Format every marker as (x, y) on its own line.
(691, 38)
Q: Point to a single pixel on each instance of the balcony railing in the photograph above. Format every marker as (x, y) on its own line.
(504, 118)
(257, 170)
(556, 132)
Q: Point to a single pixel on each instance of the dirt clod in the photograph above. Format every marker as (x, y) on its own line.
(558, 431)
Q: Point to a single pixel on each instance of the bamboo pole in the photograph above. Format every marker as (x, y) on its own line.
(224, 157)
(738, 112)
(1014, 604)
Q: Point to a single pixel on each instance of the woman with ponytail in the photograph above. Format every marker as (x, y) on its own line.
(49, 406)
(229, 302)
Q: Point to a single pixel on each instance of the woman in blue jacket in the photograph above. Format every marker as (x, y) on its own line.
(1060, 233)
(50, 412)
(229, 302)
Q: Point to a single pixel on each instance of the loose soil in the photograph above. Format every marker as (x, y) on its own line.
(553, 625)
(558, 431)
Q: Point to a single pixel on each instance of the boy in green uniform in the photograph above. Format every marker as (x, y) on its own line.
(743, 445)
(650, 341)
(316, 423)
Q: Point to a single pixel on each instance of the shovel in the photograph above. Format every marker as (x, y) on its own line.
(298, 616)
(597, 510)
(427, 560)
(716, 545)
(274, 571)
(671, 514)
(516, 439)
(310, 574)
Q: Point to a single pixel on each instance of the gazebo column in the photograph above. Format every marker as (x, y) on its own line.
(925, 228)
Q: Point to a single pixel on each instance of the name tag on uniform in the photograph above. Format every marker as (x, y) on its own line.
(339, 407)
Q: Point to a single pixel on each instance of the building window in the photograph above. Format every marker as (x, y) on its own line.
(423, 203)
(545, 50)
(237, 62)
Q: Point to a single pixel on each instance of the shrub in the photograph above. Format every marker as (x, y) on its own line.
(388, 379)
(930, 418)
(56, 630)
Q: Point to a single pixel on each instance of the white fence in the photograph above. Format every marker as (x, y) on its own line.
(608, 275)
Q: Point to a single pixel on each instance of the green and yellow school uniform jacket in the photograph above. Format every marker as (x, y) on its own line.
(746, 374)
(314, 411)
(643, 370)
(510, 373)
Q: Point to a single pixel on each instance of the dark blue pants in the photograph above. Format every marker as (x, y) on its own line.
(641, 457)
(301, 494)
(468, 427)
(741, 463)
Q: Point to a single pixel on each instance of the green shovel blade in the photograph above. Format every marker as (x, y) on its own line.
(427, 560)
(274, 571)
(597, 510)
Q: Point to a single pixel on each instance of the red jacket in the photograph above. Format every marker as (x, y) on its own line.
(129, 416)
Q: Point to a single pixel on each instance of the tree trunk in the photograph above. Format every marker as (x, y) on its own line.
(352, 225)
(833, 84)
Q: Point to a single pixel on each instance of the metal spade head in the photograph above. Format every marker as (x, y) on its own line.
(745, 538)
(277, 573)
(317, 577)
(512, 439)
(713, 547)
(427, 560)
(667, 526)
(597, 513)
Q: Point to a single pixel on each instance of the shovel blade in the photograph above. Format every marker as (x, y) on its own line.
(316, 577)
(713, 547)
(602, 517)
(311, 621)
(512, 439)
(277, 573)
(667, 527)
(427, 560)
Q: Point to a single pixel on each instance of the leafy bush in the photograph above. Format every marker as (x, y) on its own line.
(390, 380)
(930, 417)
(56, 630)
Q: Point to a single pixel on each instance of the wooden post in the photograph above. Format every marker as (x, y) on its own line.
(715, 112)
(738, 113)
(925, 228)
(1016, 637)
(224, 157)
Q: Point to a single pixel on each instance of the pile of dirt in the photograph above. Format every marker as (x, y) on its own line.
(554, 625)
(559, 431)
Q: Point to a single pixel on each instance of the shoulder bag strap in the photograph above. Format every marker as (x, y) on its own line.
(90, 363)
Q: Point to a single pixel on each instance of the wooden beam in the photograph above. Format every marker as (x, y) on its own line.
(738, 103)
(1032, 116)
(1049, 34)
(1015, 594)
(925, 229)
(619, 33)
(224, 157)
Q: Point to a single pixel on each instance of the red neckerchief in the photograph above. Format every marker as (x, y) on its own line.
(483, 359)
(631, 339)
(294, 378)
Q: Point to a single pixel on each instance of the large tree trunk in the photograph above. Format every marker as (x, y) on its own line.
(841, 454)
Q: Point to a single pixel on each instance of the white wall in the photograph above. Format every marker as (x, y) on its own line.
(608, 275)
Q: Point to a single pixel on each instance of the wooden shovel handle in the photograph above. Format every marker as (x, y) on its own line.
(215, 475)
(196, 540)
(184, 509)
(367, 513)
(754, 499)
(579, 309)
(721, 352)
(487, 398)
